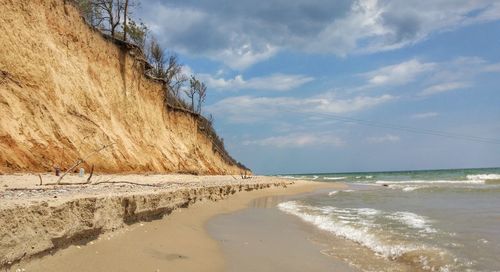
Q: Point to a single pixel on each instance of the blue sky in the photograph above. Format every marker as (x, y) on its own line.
(280, 73)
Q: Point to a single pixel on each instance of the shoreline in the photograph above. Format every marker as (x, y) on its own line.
(262, 237)
(110, 214)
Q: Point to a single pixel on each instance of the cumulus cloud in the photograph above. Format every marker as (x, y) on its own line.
(241, 33)
(383, 139)
(424, 115)
(274, 82)
(298, 140)
(251, 108)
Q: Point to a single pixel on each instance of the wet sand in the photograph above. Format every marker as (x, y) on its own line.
(262, 238)
(179, 242)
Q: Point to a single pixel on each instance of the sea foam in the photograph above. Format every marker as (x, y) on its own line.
(484, 177)
(334, 178)
(413, 220)
(359, 235)
(471, 181)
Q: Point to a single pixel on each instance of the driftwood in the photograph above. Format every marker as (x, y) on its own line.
(30, 189)
(91, 173)
(245, 176)
(67, 183)
(126, 182)
(40, 177)
(81, 160)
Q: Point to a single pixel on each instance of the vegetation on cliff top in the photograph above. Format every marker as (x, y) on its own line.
(114, 19)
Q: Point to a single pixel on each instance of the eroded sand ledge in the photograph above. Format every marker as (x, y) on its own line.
(39, 220)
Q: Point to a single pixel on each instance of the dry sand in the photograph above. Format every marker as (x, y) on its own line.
(39, 220)
(179, 242)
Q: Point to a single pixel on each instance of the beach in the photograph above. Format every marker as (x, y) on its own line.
(107, 242)
(377, 221)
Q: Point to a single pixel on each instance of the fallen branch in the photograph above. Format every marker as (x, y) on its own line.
(126, 182)
(40, 177)
(30, 189)
(80, 161)
(91, 173)
(67, 183)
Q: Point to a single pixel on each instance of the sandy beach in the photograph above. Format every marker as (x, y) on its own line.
(179, 241)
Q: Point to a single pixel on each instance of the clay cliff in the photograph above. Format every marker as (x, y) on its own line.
(66, 90)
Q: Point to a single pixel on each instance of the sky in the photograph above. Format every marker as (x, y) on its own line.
(285, 77)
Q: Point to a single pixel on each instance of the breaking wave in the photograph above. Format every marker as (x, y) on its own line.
(471, 181)
(334, 178)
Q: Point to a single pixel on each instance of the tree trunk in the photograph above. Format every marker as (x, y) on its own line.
(125, 21)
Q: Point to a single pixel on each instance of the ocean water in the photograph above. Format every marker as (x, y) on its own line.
(439, 220)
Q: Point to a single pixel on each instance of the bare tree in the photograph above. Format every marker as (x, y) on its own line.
(125, 13)
(174, 76)
(90, 12)
(202, 95)
(137, 33)
(112, 11)
(157, 59)
(197, 91)
(193, 89)
(178, 83)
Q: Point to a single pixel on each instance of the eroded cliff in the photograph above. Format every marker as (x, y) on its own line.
(65, 90)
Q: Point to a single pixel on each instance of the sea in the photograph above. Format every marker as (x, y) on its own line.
(431, 220)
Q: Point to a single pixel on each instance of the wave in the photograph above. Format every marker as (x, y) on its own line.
(300, 177)
(324, 222)
(361, 235)
(413, 220)
(486, 178)
(334, 178)
(409, 188)
(287, 177)
(342, 191)
(472, 181)
(360, 226)
(483, 176)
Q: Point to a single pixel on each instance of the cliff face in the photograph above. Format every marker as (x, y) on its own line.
(66, 91)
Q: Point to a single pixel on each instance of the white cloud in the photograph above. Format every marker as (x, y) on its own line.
(383, 139)
(341, 36)
(275, 82)
(244, 56)
(298, 140)
(241, 33)
(431, 77)
(444, 87)
(424, 115)
(398, 74)
(250, 108)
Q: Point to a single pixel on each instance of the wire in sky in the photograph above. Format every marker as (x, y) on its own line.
(400, 127)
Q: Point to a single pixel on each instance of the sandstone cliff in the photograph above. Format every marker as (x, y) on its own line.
(65, 90)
